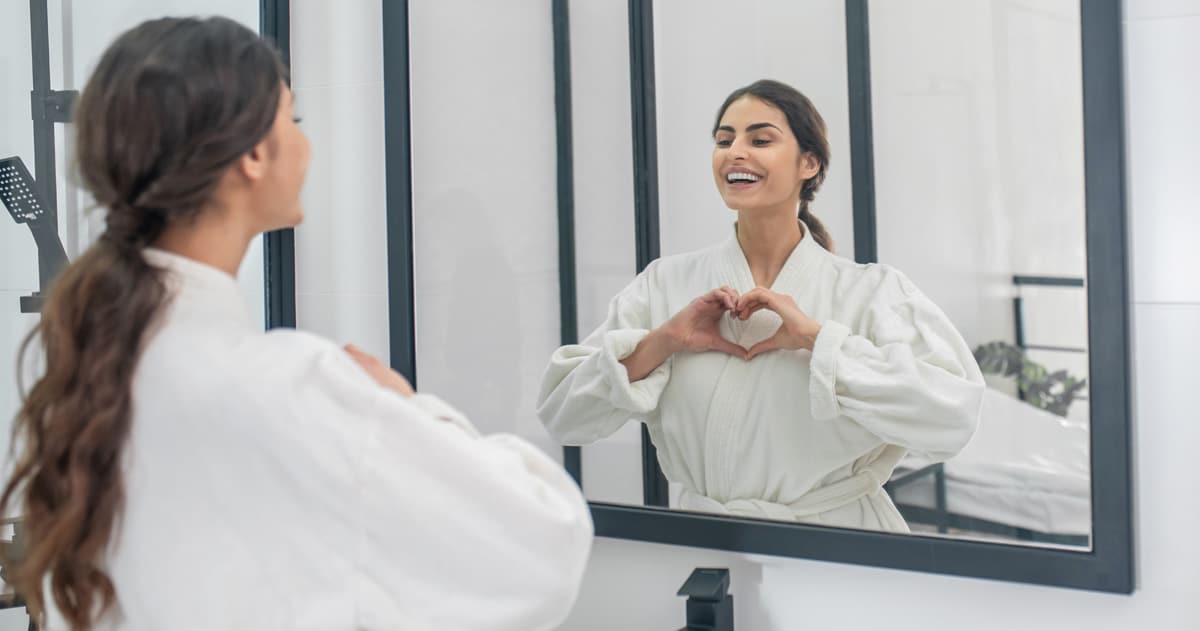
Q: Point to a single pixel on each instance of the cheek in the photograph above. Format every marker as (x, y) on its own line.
(302, 153)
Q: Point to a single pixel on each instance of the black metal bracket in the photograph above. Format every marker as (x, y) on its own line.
(55, 106)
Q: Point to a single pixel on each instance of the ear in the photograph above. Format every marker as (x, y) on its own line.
(809, 166)
(253, 163)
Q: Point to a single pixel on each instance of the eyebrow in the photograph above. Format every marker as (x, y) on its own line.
(749, 128)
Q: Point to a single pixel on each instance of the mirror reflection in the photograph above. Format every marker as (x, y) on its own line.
(942, 390)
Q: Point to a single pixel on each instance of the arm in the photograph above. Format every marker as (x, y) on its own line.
(619, 372)
(590, 389)
(909, 378)
(449, 529)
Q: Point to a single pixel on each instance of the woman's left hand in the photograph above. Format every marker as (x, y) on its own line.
(797, 331)
(379, 371)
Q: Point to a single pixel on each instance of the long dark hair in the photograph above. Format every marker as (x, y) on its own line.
(809, 129)
(171, 106)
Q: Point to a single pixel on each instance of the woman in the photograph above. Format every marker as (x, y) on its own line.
(180, 469)
(776, 379)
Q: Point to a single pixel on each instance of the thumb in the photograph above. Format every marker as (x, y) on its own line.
(769, 344)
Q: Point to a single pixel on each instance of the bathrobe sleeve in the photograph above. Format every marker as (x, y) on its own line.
(904, 373)
(585, 393)
(485, 532)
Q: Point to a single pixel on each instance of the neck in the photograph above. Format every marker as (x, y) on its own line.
(767, 240)
(214, 238)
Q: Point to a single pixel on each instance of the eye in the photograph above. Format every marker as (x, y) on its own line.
(761, 142)
(724, 142)
(297, 120)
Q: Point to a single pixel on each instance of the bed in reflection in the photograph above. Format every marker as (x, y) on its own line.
(1024, 476)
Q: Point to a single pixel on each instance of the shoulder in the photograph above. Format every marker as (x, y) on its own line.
(873, 281)
(667, 269)
(283, 358)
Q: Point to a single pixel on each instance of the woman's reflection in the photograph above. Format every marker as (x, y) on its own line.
(777, 379)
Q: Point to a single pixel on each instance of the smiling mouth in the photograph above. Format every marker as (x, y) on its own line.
(741, 178)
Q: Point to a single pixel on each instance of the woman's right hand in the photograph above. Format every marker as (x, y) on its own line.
(696, 328)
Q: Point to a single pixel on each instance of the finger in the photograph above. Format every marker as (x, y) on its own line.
(758, 293)
(747, 298)
(360, 355)
(725, 346)
(728, 297)
(711, 300)
(731, 292)
(750, 307)
(767, 345)
(755, 307)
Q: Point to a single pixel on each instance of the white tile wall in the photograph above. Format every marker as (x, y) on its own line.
(336, 43)
(1162, 99)
(341, 256)
(485, 208)
(360, 319)
(341, 246)
(1159, 9)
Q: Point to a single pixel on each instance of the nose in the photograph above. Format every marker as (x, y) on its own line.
(737, 149)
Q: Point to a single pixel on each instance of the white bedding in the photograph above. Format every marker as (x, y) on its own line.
(1025, 467)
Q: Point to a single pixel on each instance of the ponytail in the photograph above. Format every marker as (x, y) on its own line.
(74, 422)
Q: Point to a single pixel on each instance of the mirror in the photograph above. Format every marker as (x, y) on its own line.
(950, 395)
(960, 159)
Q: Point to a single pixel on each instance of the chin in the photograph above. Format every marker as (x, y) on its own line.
(295, 219)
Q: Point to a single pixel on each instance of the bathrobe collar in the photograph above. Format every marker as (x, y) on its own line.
(736, 271)
(198, 287)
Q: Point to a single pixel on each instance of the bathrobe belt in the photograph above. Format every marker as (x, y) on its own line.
(815, 502)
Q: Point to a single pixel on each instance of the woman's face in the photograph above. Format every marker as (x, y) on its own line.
(757, 162)
(287, 163)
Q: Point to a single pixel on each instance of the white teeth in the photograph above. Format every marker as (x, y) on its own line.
(739, 176)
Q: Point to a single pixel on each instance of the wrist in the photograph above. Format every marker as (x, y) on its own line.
(809, 340)
(666, 339)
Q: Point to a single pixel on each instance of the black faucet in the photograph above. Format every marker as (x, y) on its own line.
(709, 605)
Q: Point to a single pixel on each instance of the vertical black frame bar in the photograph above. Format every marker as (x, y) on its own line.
(279, 246)
(645, 192)
(862, 142)
(398, 173)
(1109, 303)
(564, 145)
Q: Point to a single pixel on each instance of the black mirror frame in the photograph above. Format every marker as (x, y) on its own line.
(1108, 566)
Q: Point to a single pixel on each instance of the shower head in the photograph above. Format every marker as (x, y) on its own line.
(19, 193)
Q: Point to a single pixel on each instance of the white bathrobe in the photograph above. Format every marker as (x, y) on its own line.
(795, 435)
(271, 484)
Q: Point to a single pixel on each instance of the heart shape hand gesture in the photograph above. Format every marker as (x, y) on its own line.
(797, 331)
(696, 327)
